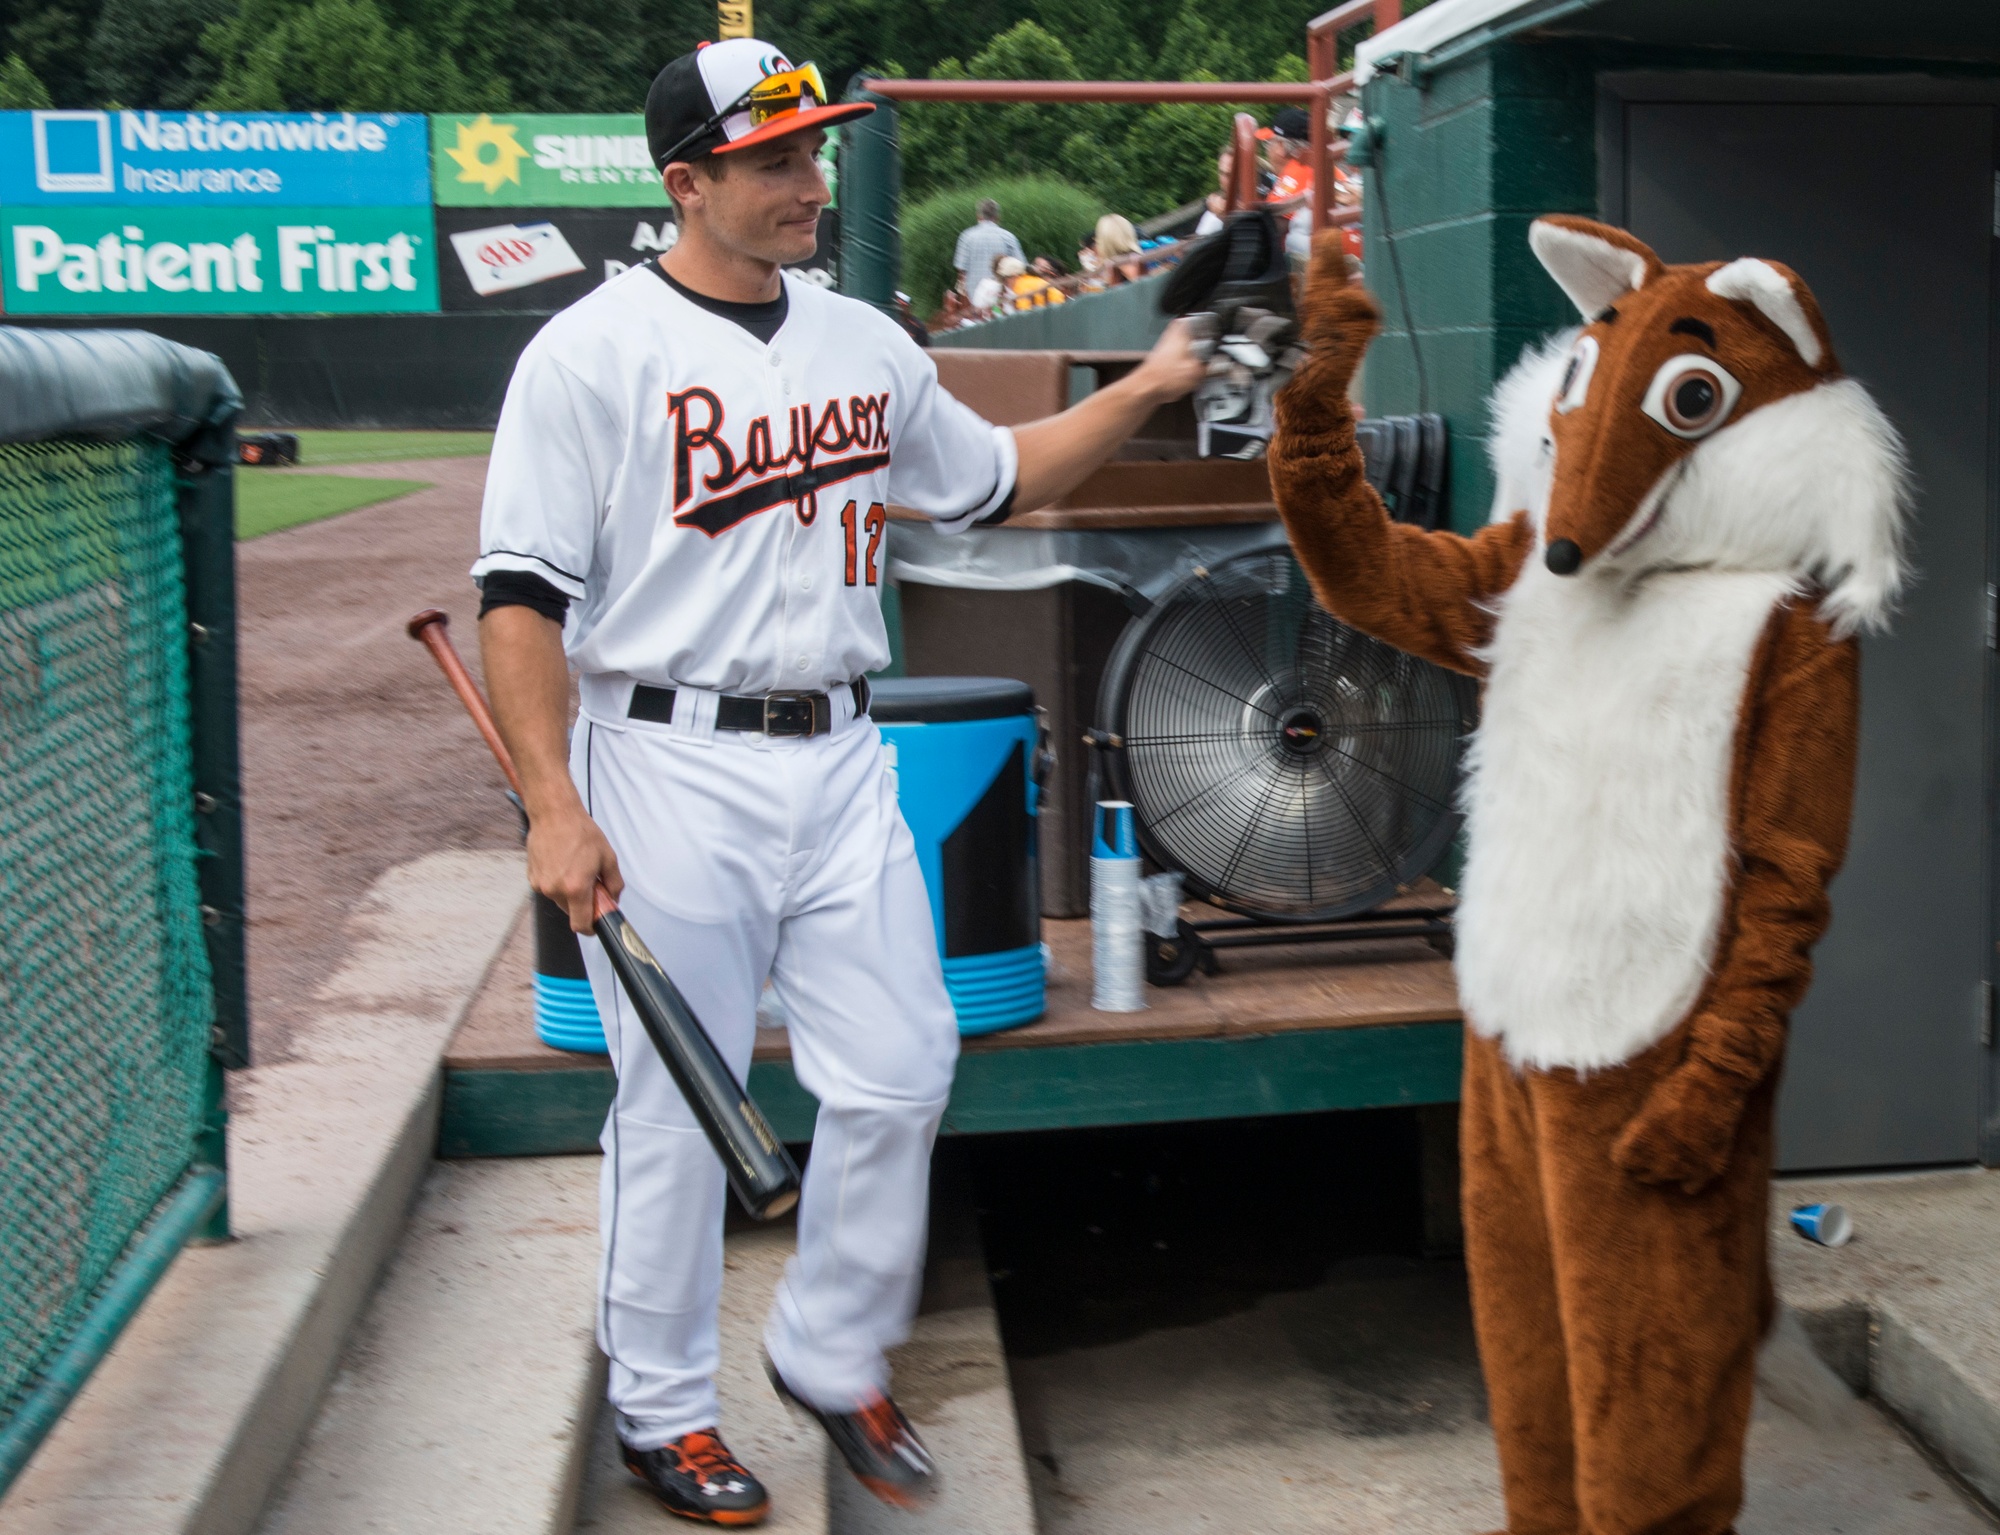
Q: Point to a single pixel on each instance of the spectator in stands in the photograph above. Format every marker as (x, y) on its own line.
(1116, 243)
(1288, 154)
(956, 310)
(1218, 200)
(1023, 289)
(1089, 268)
(1347, 187)
(979, 247)
(906, 317)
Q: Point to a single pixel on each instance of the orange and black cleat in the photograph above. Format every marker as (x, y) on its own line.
(697, 1478)
(878, 1444)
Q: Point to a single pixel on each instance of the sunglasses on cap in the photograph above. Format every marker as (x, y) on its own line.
(774, 96)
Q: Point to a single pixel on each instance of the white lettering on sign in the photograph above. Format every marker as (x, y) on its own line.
(130, 265)
(591, 151)
(210, 131)
(646, 238)
(343, 266)
(202, 178)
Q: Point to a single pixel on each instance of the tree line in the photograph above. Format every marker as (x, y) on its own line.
(600, 55)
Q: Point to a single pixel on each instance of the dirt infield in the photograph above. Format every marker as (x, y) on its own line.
(356, 757)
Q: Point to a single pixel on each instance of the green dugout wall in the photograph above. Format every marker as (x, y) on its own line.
(1467, 162)
(1860, 144)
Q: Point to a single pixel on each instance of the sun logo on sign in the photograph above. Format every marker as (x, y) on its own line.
(475, 163)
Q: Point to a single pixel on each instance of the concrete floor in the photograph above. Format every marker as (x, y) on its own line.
(1196, 1350)
(1356, 1406)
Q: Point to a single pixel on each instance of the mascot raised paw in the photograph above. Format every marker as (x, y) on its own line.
(1697, 513)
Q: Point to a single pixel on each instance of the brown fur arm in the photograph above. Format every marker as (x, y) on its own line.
(1422, 592)
(1794, 793)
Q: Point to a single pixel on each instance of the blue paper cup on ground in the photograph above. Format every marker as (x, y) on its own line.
(1828, 1225)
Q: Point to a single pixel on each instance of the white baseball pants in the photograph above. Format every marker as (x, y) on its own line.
(747, 856)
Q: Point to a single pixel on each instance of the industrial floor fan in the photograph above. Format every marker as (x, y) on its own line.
(1298, 773)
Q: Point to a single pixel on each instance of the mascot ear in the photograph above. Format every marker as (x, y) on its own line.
(1595, 264)
(1779, 296)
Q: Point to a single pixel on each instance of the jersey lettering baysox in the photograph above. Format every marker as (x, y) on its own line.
(715, 508)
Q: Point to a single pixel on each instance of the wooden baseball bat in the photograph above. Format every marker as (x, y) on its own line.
(760, 1170)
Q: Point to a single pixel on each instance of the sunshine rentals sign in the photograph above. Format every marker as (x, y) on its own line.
(516, 160)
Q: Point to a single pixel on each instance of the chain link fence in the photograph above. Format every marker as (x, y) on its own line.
(110, 1145)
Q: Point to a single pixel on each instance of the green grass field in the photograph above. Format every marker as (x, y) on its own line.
(317, 447)
(266, 502)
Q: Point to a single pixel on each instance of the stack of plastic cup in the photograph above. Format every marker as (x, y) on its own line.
(1117, 943)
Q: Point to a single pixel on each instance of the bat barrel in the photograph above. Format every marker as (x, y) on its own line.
(760, 1170)
(429, 628)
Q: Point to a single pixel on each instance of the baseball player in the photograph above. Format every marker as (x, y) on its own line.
(686, 501)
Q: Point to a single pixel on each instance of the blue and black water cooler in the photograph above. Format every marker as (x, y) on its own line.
(565, 1012)
(968, 757)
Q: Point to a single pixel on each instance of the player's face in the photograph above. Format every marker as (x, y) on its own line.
(767, 204)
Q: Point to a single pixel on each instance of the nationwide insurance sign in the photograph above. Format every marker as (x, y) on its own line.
(164, 159)
(216, 213)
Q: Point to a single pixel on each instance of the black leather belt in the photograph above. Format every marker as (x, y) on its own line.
(775, 714)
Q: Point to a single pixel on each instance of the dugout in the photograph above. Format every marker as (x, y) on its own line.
(1856, 143)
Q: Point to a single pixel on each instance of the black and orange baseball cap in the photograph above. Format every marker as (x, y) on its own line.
(733, 94)
(1288, 123)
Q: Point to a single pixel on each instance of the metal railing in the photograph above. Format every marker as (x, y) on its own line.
(1316, 96)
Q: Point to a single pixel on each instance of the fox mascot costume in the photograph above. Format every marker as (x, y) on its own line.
(1696, 515)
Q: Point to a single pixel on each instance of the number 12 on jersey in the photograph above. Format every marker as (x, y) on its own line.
(863, 564)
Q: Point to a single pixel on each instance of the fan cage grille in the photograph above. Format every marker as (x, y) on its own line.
(1294, 768)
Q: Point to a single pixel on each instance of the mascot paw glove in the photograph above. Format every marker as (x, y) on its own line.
(1341, 318)
(1685, 1131)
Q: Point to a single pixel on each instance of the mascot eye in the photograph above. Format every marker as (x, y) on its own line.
(1691, 396)
(1576, 377)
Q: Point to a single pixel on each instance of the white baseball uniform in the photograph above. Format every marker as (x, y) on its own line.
(714, 507)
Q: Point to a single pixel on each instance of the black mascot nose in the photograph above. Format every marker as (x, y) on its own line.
(1563, 557)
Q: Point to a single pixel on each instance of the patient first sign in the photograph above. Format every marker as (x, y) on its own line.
(181, 159)
(218, 261)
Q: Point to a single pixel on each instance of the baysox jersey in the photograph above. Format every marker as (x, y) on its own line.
(715, 507)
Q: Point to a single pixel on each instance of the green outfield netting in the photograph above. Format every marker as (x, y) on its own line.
(105, 1002)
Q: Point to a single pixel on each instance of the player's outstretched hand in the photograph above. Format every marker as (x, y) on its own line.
(568, 857)
(1173, 367)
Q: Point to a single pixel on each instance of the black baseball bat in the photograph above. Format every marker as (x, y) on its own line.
(760, 1170)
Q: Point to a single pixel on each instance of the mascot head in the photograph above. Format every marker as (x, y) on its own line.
(1699, 418)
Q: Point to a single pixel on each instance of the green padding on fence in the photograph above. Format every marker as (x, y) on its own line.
(179, 1217)
(105, 1005)
(1122, 319)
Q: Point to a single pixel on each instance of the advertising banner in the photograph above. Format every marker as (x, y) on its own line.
(241, 159)
(539, 260)
(515, 160)
(218, 261)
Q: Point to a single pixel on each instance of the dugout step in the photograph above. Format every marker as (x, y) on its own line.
(191, 1420)
(1283, 1029)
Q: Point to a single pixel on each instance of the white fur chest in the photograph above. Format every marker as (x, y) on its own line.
(1597, 806)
